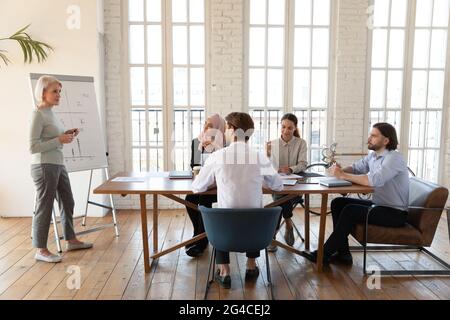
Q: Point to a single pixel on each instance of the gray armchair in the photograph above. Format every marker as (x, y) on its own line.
(426, 204)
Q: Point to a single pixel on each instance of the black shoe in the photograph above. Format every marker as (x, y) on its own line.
(224, 282)
(289, 236)
(203, 243)
(251, 274)
(203, 246)
(312, 256)
(342, 258)
(194, 251)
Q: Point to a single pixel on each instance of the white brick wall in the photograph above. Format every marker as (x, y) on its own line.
(226, 49)
(351, 48)
(226, 25)
(115, 129)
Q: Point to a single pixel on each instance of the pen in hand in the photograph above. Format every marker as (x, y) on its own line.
(74, 132)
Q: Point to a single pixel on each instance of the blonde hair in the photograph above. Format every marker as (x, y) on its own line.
(42, 84)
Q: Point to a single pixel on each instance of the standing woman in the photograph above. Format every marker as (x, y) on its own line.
(288, 155)
(211, 139)
(48, 171)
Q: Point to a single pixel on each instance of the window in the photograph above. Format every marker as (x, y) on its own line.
(427, 94)
(408, 71)
(266, 68)
(310, 71)
(166, 60)
(388, 62)
(288, 67)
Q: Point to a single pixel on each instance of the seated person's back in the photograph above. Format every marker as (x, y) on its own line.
(240, 174)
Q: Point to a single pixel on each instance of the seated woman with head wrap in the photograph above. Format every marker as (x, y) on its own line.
(209, 140)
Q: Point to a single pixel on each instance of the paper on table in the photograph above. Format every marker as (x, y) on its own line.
(159, 174)
(290, 176)
(129, 179)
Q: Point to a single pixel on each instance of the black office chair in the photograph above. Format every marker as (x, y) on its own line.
(239, 230)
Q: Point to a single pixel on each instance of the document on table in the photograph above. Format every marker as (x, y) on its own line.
(290, 176)
(129, 179)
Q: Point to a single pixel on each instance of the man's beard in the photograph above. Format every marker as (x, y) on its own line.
(373, 147)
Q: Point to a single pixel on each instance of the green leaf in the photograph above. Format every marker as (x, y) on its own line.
(39, 52)
(42, 45)
(24, 51)
(21, 30)
(4, 57)
(30, 48)
(30, 53)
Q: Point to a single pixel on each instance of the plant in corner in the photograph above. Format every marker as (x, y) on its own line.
(30, 47)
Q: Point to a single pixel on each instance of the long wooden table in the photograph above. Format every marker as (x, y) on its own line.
(159, 184)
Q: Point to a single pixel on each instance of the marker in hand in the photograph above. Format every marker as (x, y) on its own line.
(68, 136)
(74, 132)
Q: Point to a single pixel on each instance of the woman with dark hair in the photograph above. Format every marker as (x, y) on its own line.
(385, 170)
(288, 154)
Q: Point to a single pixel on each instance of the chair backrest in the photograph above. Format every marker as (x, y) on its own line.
(429, 195)
(240, 230)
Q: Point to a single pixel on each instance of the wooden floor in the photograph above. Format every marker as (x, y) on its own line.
(113, 269)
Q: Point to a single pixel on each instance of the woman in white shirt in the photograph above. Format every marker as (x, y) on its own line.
(288, 155)
(234, 169)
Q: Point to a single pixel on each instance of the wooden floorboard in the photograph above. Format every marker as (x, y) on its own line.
(110, 252)
(114, 269)
(25, 273)
(160, 288)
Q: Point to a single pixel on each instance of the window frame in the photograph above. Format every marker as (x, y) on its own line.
(168, 108)
(288, 67)
(405, 115)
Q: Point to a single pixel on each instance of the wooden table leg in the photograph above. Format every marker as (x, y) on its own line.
(307, 222)
(145, 233)
(323, 220)
(155, 223)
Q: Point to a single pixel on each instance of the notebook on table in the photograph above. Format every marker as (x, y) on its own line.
(180, 175)
(333, 182)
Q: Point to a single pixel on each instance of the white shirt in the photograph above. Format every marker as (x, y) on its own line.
(240, 174)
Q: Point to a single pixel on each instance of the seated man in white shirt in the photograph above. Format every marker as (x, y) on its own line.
(239, 174)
